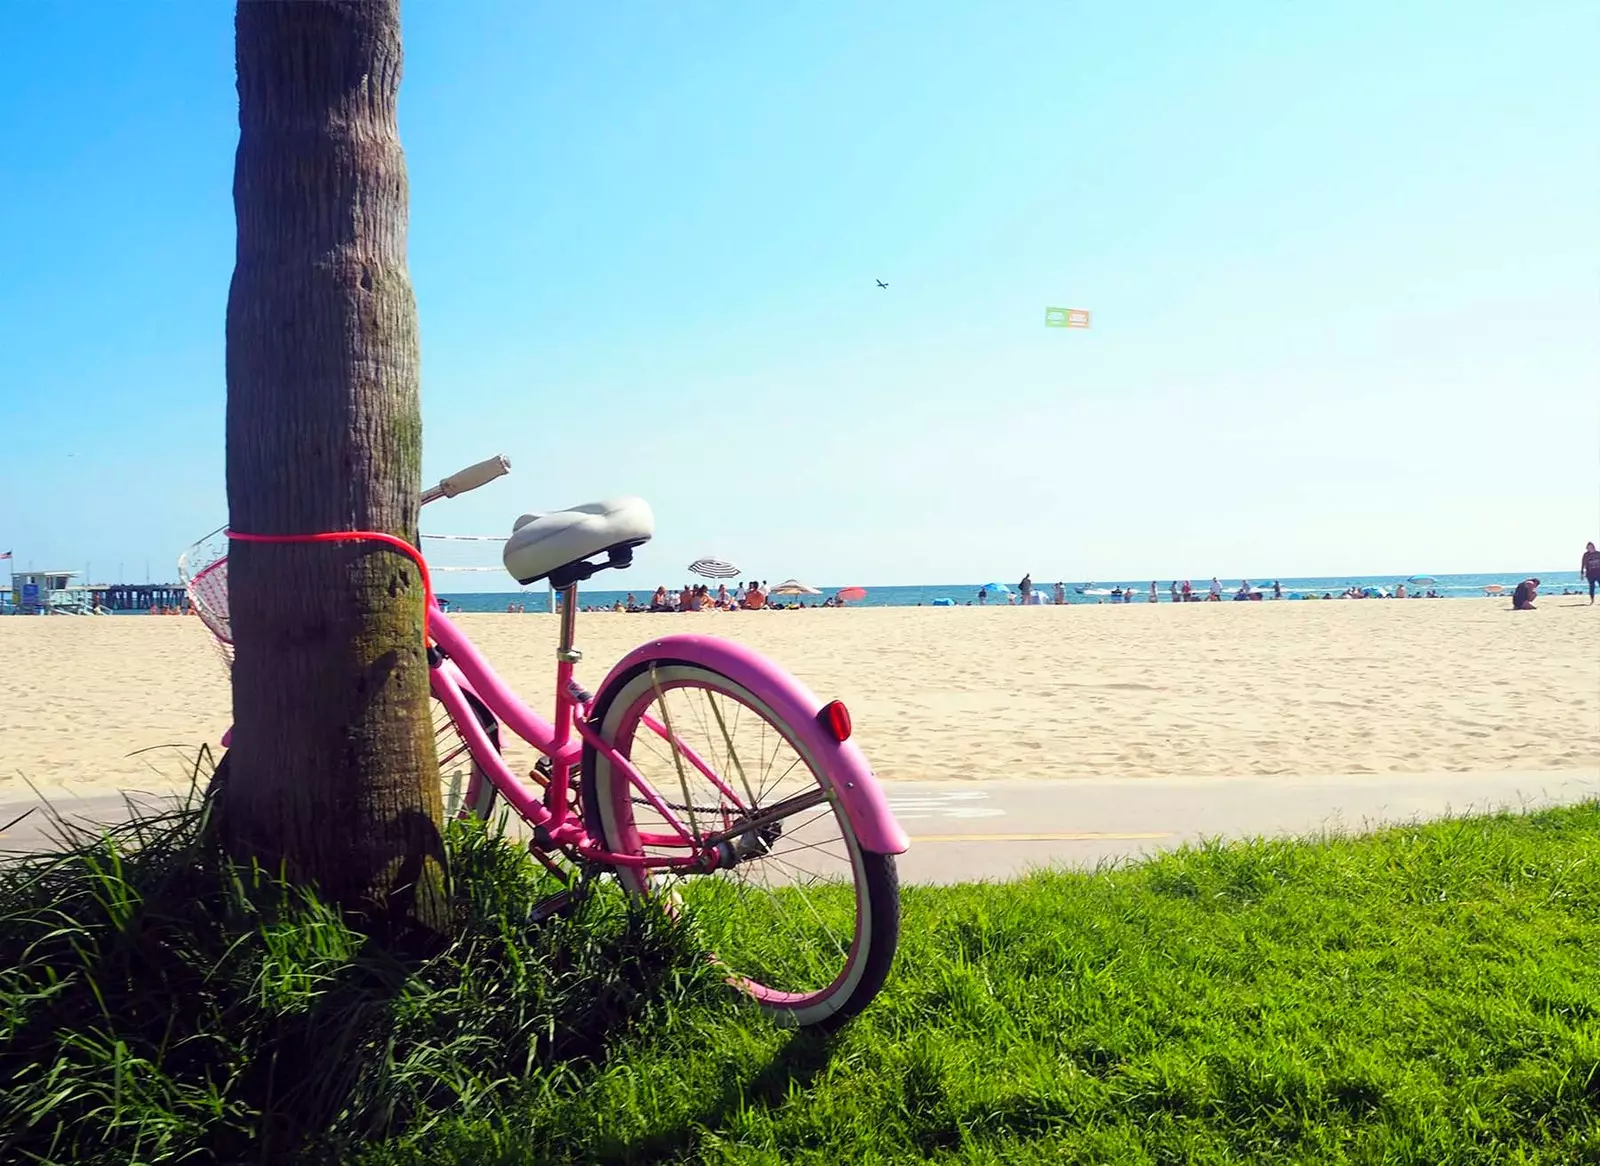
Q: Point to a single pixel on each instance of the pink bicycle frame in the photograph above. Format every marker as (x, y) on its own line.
(464, 671)
(464, 675)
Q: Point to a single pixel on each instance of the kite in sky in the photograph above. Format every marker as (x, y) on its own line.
(1066, 317)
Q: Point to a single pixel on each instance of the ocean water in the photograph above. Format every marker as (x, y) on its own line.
(1446, 586)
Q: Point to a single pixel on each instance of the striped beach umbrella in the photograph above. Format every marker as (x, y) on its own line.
(714, 569)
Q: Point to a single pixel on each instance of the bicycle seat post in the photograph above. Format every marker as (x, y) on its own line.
(565, 652)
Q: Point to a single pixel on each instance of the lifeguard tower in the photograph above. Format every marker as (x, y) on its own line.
(36, 592)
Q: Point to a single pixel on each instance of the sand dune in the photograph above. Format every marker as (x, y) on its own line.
(1191, 690)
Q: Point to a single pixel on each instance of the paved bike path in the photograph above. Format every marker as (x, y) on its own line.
(991, 830)
(997, 829)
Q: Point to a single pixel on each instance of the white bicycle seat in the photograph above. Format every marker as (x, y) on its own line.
(547, 544)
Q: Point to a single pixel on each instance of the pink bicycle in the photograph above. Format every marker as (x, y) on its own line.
(697, 770)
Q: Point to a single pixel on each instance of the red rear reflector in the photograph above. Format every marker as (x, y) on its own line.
(836, 719)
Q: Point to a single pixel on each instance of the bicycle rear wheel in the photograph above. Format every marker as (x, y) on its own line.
(805, 921)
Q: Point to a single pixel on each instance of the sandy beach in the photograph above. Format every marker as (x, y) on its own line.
(92, 706)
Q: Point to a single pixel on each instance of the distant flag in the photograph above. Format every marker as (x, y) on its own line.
(1066, 317)
(7, 555)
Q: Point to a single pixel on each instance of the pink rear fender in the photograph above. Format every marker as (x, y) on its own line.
(859, 792)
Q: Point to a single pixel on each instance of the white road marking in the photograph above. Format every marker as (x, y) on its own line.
(955, 803)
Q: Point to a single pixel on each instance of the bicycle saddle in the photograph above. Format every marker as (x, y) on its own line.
(559, 544)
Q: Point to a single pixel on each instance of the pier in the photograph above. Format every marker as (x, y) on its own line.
(140, 596)
(56, 592)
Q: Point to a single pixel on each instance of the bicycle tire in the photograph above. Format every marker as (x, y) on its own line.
(454, 783)
(612, 812)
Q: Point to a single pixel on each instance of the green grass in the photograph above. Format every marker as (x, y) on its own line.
(1427, 995)
(159, 1003)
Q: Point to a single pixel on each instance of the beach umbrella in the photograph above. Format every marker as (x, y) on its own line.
(1000, 587)
(794, 587)
(851, 594)
(714, 569)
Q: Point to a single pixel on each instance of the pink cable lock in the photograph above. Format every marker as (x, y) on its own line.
(394, 542)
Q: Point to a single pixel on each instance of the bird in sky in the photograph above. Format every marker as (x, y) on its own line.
(882, 284)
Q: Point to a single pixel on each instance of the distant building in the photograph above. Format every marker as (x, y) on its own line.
(31, 591)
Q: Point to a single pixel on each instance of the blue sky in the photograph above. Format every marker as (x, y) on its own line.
(1343, 260)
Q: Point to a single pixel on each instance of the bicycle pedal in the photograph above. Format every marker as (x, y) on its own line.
(558, 904)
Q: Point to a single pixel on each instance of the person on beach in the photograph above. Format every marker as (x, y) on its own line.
(1216, 590)
(1522, 598)
(1188, 591)
(1155, 595)
(1174, 591)
(1277, 590)
(1589, 568)
(983, 596)
(1026, 587)
(1061, 593)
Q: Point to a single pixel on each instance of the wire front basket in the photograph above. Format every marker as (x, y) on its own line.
(203, 571)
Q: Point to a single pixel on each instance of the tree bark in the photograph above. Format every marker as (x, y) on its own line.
(332, 771)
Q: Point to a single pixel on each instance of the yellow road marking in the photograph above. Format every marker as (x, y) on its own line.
(1080, 836)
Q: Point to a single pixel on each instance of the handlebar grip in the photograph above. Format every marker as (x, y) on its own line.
(474, 476)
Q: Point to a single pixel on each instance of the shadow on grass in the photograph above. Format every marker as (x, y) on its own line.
(159, 1002)
(802, 1057)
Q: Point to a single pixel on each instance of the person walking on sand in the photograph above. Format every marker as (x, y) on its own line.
(1589, 568)
(1026, 587)
(1277, 589)
(1188, 591)
(1216, 589)
(1155, 595)
(983, 596)
(1061, 593)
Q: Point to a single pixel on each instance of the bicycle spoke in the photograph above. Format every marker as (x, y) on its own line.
(677, 755)
(733, 756)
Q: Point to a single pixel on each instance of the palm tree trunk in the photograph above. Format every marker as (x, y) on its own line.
(332, 770)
